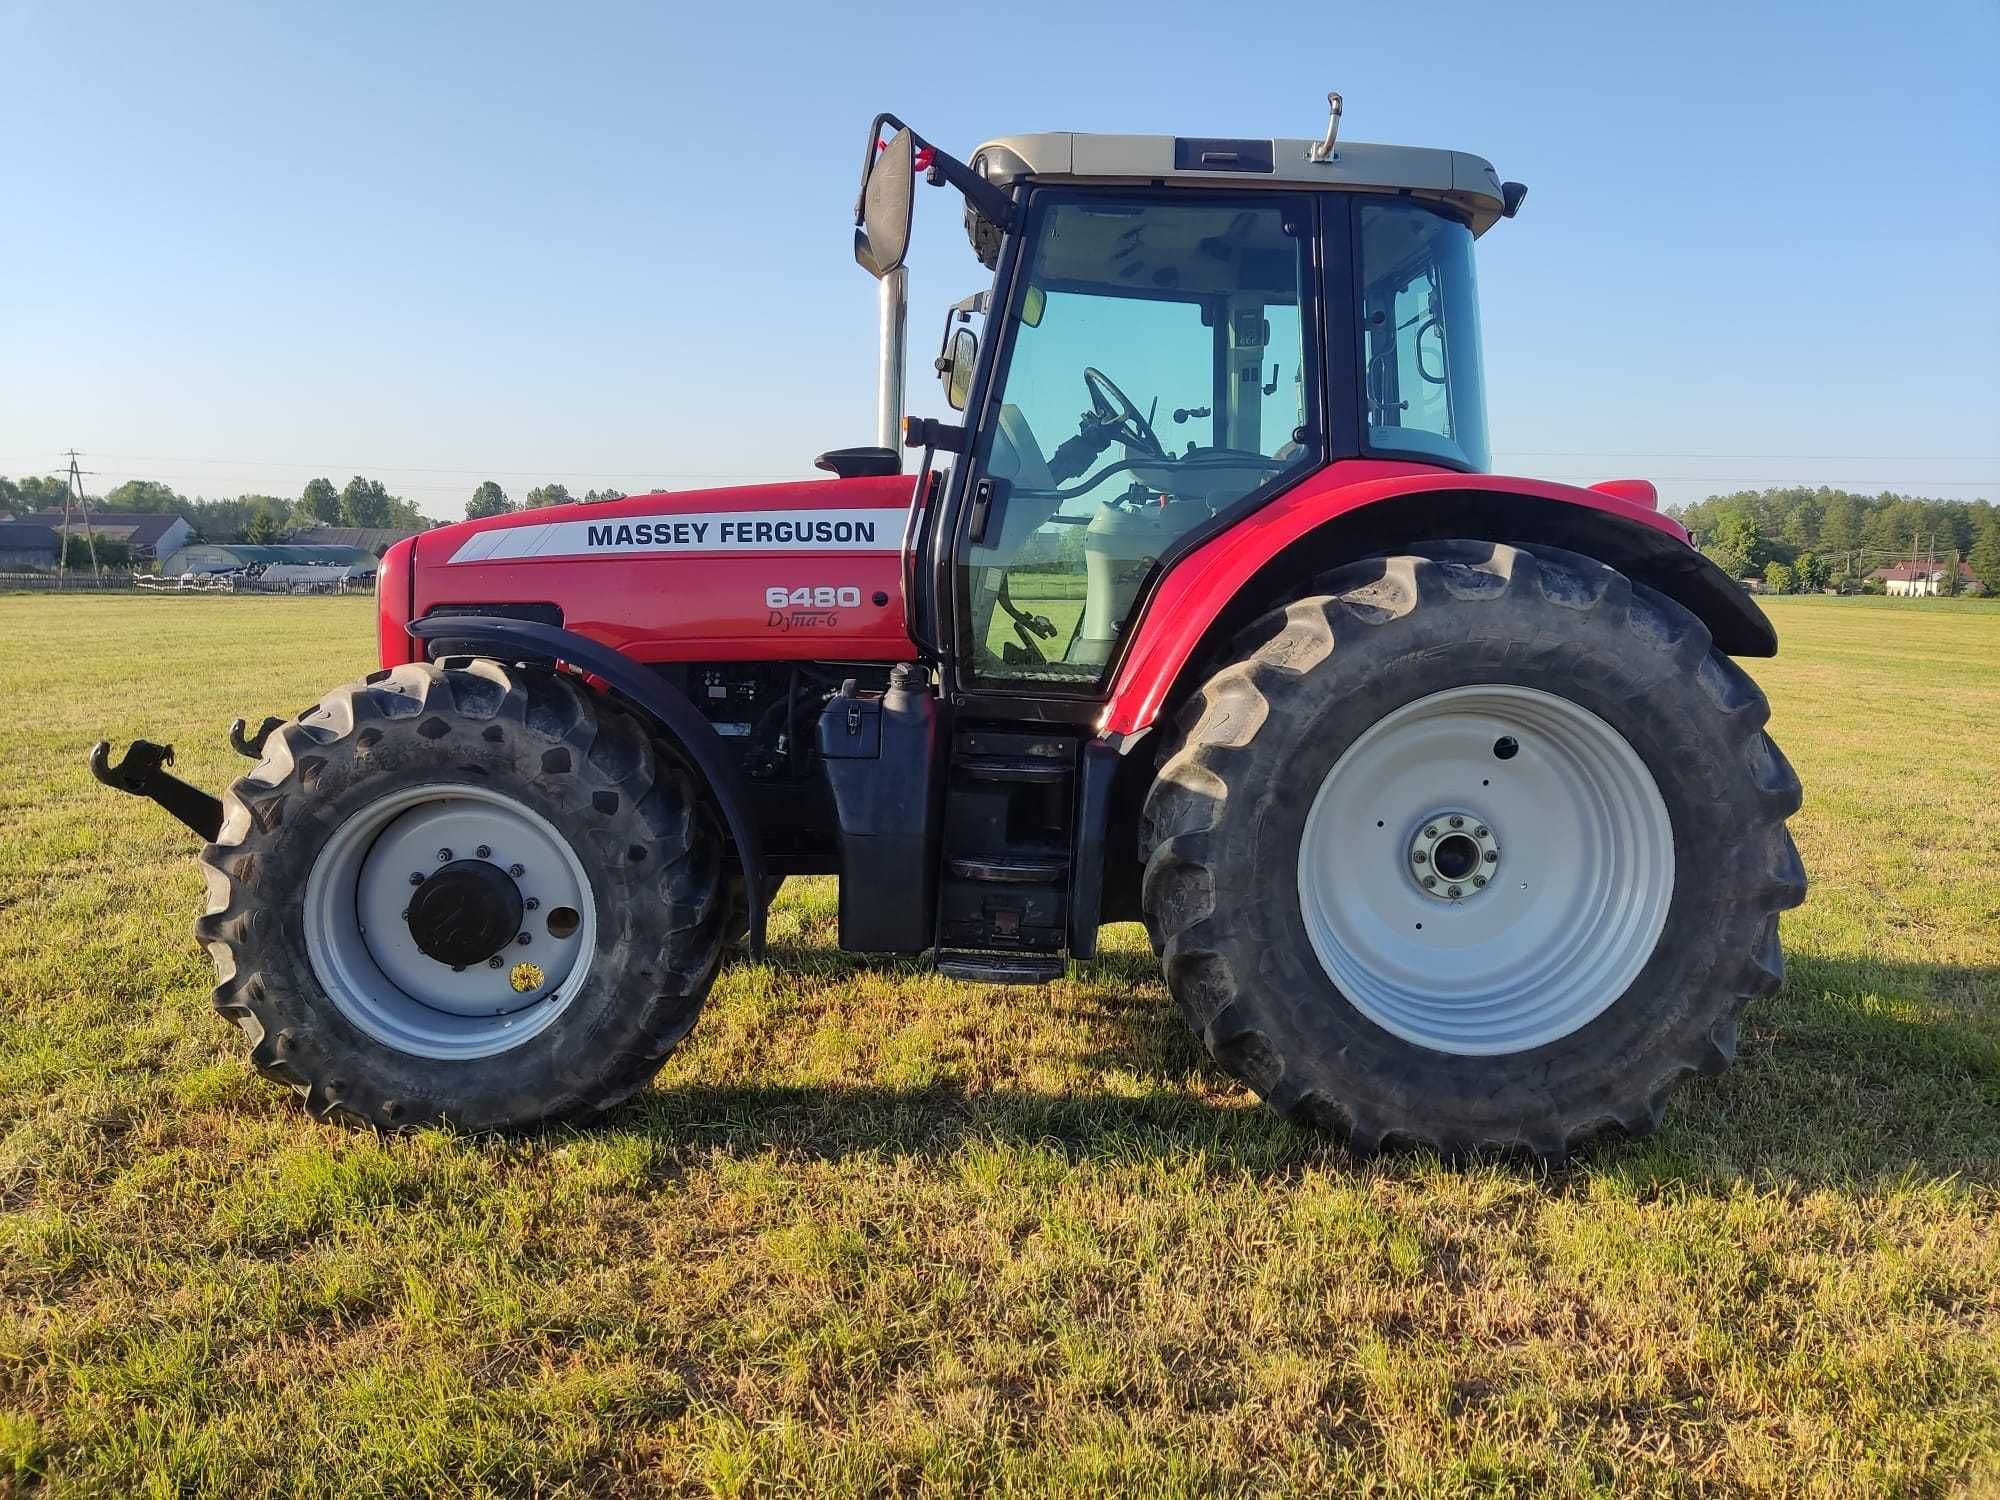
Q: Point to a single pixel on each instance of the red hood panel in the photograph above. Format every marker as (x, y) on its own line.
(779, 572)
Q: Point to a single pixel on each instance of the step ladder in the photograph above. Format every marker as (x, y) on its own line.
(1009, 840)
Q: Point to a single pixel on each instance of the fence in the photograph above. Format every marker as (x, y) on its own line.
(67, 583)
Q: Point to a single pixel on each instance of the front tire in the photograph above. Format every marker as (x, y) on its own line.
(1477, 848)
(473, 894)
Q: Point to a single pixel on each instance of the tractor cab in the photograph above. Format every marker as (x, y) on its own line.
(1178, 329)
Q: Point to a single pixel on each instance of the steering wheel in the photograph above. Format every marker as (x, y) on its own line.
(1115, 412)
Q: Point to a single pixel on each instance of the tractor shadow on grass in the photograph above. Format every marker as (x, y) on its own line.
(1858, 1073)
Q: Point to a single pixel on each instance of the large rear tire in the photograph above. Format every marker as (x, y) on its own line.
(474, 894)
(1477, 848)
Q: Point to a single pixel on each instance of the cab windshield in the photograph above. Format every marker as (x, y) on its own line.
(1155, 379)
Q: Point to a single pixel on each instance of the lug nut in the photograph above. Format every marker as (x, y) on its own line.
(1479, 832)
(1454, 891)
(493, 962)
(1430, 882)
(1493, 856)
(517, 871)
(1418, 857)
(416, 877)
(406, 914)
(523, 940)
(483, 852)
(1431, 832)
(532, 904)
(1479, 880)
(444, 855)
(1458, 822)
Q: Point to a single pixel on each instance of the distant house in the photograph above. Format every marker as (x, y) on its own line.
(146, 534)
(1912, 579)
(371, 539)
(26, 544)
(234, 557)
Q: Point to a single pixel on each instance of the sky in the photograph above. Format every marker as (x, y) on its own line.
(611, 244)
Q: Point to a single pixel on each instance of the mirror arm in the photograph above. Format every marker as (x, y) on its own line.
(996, 207)
(929, 432)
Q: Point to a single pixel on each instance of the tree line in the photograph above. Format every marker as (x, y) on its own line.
(260, 519)
(490, 500)
(1804, 540)
(246, 518)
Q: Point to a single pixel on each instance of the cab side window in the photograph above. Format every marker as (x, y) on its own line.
(1421, 379)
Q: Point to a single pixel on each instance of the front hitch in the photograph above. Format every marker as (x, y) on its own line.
(143, 773)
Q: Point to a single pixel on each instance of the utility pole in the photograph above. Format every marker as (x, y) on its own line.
(74, 499)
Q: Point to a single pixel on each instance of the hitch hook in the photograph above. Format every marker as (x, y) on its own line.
(143, 773)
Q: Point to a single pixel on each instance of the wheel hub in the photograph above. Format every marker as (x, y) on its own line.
(1453, 855)
(466, 912)
(439, 955)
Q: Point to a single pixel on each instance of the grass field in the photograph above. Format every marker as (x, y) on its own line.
(875, 1232)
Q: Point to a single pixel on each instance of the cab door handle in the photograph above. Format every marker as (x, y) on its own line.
(984, 493)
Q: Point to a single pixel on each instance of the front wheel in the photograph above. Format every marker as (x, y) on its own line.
(1481, 847)
(473, 894)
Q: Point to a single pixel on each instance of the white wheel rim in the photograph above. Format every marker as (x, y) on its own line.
(1578, 858)
(365, 958)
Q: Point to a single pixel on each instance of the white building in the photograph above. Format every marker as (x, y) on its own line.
(1914, 579)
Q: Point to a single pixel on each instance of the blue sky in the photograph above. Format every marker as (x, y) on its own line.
(610, 244)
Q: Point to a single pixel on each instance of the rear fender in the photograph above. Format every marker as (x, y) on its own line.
(668, 709)
(1330, 518)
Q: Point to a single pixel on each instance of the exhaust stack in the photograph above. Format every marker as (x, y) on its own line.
(894, 294)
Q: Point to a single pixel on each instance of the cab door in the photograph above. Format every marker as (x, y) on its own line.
(1155, 371)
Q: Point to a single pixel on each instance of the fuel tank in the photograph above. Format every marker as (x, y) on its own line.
(809, 571)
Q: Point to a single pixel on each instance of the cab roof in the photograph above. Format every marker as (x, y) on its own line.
(1456, 178)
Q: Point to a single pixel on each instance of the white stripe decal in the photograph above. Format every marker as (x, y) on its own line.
(705, 534)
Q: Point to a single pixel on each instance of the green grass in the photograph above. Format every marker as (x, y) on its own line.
(874, 1232)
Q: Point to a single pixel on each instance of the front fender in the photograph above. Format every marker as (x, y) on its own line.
(665, 705)
(1362, 509)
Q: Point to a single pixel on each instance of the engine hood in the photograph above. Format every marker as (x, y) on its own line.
(780, 517)
(764, 572)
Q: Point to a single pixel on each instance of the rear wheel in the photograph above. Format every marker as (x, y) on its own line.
(473, 894)
(1480, 847)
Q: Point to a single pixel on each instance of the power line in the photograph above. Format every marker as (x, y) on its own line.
(462, 490)
(636, 470)
(1810, 479)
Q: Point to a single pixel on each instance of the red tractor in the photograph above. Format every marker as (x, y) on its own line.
(1439, 792)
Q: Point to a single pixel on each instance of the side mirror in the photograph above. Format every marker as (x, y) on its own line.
(882, 238)
(956, 367)
(1034, 302)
